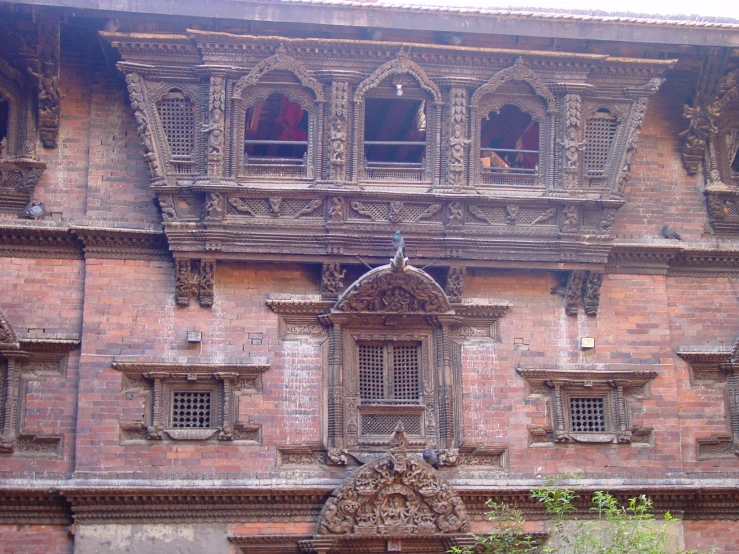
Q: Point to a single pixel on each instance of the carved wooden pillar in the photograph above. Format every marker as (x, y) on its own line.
(11, 388)
(572, 143)
(335, 388)
(557, 410)
(446, 405)
(338, 129)
(155, 430)
(215, 128)
(458, 141)
(226, 423)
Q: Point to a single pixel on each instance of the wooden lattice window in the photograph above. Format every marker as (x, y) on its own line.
(587, 415)
(600, 132)
(177, 114)
(389, 373)
(191, 409)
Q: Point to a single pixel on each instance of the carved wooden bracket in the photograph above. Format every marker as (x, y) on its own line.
(194, 278)
(613, 392)
(583, 292)
(156, 382)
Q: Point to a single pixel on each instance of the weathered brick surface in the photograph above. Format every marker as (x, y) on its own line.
(40, 298)
(704, 535)
(35, 539)
(130, 315)
(660, 192)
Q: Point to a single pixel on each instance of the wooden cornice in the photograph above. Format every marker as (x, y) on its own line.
(21, 239)
(40, 239)
(195, 370)
(539, 375)
(59, 501)
(674, 259)
(122, 244)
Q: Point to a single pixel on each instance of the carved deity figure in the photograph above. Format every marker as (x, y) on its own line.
(457, 144)
(214, 129)
(572, 148)
(49, 90)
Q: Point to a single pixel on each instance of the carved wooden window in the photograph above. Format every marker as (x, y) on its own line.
(277, 133)
(177, 115)
(588, 415)
(395, 139)
(588, 406)
(600, 133)
(276, 137)
(192, 409)
(510, 139)
(389, 373)
(194, 403)
(390, 381)
(509, 144)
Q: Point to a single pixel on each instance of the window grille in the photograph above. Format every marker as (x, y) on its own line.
(177, 117)
(389, 372)
(191, 409)
(587, 415)
(600, 131)
(384, 424)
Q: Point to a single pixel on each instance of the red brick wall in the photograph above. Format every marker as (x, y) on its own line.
(660, 192)
(704, 535)
(130, 315)
(35, 539)
(42, 297)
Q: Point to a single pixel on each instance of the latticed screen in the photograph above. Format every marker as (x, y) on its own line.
(405, 372)
(587, 415)
(191, 409)
(384, 424)
(371, 372)
(600, 131)
(389, 372)
(176, 115)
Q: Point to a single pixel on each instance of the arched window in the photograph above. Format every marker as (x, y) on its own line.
(509, 143)
(276, 136)
(394, 136)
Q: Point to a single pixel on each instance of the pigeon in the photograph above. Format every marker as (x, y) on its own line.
(430, 457)
(34, 211)
(670, 233)
(398, 242)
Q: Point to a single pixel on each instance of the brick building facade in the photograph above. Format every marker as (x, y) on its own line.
(208, 337)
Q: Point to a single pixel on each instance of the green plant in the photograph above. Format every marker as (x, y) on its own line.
(611, 529)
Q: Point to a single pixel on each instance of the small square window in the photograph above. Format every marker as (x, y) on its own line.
(587, 415)
(191, 409)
